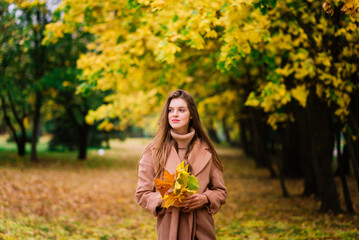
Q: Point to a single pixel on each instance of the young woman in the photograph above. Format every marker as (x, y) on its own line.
(181, 137)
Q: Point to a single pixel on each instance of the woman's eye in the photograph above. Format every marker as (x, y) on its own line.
(169, 110)
(181, 110)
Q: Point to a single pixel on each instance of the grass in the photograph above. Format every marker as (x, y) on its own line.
(63, 198)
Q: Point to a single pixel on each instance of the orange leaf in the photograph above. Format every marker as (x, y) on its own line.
(168, 176)
(163, 186)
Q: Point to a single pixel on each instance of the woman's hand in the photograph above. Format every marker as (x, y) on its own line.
(177, 203)
(194, 201)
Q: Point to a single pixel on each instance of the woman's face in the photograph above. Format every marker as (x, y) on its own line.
(179, 115)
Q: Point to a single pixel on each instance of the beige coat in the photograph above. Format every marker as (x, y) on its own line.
(172, 223)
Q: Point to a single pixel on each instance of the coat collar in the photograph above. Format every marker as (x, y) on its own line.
(198, 158)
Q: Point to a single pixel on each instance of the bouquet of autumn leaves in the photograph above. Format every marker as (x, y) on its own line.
(175, 187)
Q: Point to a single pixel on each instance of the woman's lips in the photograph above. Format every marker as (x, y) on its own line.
(175, 120)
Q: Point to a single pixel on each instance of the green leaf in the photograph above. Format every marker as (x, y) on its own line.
(183, 178)
(192, 183)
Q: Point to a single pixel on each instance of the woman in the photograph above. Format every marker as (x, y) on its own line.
(181, 137)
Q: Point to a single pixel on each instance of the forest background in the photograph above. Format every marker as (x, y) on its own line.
(276, 79)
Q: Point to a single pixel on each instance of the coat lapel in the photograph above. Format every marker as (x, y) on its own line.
(172, 161)
(199, 157)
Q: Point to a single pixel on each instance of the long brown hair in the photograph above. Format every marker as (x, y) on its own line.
(163, 140)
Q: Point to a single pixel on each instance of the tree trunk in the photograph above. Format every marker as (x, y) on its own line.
(83, 140)
(353, 145)
(20, 141)
(39, 58)
(212, 133)
(35, 128)
(343, 180)
(353, 157)
(226, 131)
(3, 127)
(21, 146)
(260, 137)
(322, 143)
(345, 162)
(246, 142)
(292, 166)
(301, 118)
(279, 157)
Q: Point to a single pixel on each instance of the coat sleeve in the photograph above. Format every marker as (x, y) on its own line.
(216, 192)
(145, 194)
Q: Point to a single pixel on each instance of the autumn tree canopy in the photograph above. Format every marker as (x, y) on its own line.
(249, 64)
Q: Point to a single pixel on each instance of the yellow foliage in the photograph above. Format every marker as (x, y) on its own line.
(26, 122)
(300, 93)
(275, 118)
(286, 71)
(351, 7)
(140, 53)
(252, 100)
(323, 58)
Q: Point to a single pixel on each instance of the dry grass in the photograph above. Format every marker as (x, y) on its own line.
(61, 198)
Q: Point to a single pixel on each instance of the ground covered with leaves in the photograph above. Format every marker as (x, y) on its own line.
(62, 198)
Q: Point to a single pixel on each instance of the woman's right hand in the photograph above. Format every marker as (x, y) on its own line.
(183, 202)
(178, 204)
